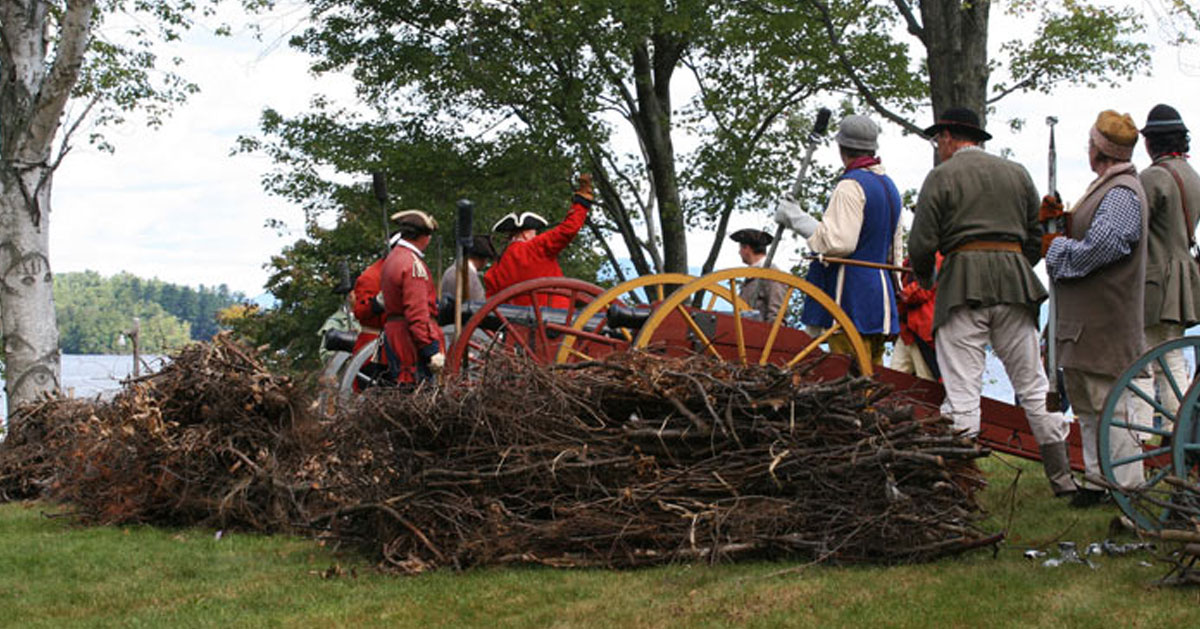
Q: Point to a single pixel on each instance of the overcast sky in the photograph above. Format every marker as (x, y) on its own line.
(173, 203)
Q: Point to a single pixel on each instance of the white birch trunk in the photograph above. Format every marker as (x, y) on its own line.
(37, 74)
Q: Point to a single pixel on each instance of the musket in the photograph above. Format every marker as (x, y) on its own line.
(864, 263)
(820, 126)
(466, 212)
(379, 187)
(1054, 395)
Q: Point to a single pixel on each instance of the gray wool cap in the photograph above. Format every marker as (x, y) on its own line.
(858, 132)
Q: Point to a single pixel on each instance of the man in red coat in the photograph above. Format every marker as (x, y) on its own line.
(414, 339)
(914, 351)
(367, 305)
(531, 255)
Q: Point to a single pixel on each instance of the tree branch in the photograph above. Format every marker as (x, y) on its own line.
(914, 27)
(52, 97)
(864, 91)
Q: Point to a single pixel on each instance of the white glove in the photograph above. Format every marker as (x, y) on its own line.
(436, 362)
(789, 214)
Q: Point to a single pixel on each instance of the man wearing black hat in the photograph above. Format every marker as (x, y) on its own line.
(415, 343)
(764, 296)
(1172, 305)
(531, 255)
(479, 254)
(981, 213)
(861, 223)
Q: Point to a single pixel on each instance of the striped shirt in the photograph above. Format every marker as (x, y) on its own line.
(1114, 233)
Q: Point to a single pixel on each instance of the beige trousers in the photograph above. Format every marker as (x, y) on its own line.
(962, 342)
(1168, 396)
(1087, 392)
(908, 359)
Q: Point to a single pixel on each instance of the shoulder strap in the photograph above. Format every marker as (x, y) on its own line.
(1187, 216)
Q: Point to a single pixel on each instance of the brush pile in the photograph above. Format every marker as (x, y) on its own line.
(1175, 504)
(637, 460)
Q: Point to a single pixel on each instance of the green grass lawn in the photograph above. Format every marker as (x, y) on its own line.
(53, 574)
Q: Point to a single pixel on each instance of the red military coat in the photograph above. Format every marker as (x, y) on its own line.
(916, 307)
(365, 289)
(411, 322)
(537, 257)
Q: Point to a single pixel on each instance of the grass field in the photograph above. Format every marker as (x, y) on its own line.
(53, 574)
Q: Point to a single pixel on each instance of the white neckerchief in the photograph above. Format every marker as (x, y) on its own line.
(408, 245)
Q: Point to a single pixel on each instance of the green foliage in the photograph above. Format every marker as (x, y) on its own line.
(426, 167)
(93, 312)
(589, 76)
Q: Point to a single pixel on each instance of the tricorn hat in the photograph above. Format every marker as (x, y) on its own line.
(514, 223)
(1163, 119)
(481, 247)
(415, 219)
(959, 120)
(752, 237)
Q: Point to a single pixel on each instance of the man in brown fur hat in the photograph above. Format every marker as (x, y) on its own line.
(1099, 270)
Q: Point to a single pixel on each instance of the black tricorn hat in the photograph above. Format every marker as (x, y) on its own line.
(1163, 119)
(959, 120)
(752, 237)
(514, 223)
(481, 247)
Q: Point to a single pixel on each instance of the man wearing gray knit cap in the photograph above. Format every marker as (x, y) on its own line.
(861, 223)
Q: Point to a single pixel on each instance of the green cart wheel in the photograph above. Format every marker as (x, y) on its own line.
(1161, 453)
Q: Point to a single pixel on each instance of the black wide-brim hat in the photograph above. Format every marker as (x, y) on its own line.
(481, 247)
(514, 223)
(1163, 119)
(960, 120)
(752, 237)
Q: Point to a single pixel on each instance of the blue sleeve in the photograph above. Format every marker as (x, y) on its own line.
(1114, 233)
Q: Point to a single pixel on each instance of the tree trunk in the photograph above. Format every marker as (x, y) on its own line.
(956, 44)
(33, 95)
(652, 73)
(31, 357)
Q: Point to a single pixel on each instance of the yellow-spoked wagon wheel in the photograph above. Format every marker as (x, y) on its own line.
(594, 336)
(732, 335)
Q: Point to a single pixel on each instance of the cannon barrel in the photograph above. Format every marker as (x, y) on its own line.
(340, 340)
(622, 316)
(515, 315)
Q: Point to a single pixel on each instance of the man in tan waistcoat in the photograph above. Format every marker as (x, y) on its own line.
(1172, 276)
(1099, 271)
(763, 296)
(981, 212)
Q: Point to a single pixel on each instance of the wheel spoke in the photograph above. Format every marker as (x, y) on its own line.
(1142, 456)
(766, 351)
(737, 323)
(1162, 364)
(1149, 400)
(1158, 476)
(697, 331)
(1141, 428)
(578, 354)
(539, 324)
(815, 344)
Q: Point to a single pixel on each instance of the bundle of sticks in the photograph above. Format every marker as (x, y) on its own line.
(1175, 502)
(636, 460)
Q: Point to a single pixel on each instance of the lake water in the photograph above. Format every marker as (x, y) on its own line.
(91, 375)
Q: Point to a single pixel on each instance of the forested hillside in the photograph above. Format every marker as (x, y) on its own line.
(93, 311)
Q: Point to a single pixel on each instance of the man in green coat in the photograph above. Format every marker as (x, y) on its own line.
(1172, 276)
(980, 211)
